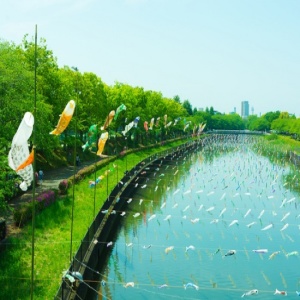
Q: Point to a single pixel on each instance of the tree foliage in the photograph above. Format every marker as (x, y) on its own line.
(55, 86)
(287, 126)
(188, 107)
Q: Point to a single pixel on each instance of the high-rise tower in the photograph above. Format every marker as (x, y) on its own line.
(245, 109)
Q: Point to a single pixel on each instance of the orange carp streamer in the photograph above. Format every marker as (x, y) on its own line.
(108, 120)
(27, 162)
(65, 118)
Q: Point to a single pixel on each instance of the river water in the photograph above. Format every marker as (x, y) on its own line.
(181, 224)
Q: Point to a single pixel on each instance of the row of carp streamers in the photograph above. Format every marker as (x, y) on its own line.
(20, 160)
(93, 131)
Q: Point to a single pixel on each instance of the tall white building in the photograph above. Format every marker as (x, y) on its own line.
(245, 109)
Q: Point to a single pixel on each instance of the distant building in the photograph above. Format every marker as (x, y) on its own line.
(245, 109)
(233, 112)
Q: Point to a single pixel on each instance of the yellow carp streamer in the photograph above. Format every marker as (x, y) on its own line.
(65, 118)
(101, 143)
(168, 249)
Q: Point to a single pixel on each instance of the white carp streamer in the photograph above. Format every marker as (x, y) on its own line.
(19, 151)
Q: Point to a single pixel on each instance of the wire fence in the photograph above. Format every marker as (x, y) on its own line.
(91, 253)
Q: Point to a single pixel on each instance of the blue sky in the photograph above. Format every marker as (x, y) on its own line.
(212, 53)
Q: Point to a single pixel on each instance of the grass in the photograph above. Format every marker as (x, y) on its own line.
(284, 143)
(52, 234)
(277, 149)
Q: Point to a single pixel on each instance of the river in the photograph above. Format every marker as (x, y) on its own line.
(213, 225)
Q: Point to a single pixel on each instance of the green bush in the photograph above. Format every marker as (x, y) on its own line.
(63, 187)
(24, 213)
(2, 229)
(272, 137)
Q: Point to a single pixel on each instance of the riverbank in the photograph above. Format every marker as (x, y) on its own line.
(55, 245)
(51, 180)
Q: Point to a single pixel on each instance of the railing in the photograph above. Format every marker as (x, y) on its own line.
(2, 229)
(223, 131)
(90, 250)
(294, 158)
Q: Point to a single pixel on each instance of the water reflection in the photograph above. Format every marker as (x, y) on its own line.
(219, 223)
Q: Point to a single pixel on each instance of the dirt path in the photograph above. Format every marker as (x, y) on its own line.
(51, 181)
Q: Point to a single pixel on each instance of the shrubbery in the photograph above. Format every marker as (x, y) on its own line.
(272, 136)
(2, 229)
(24, 213)
(45, 199)
(63, 187)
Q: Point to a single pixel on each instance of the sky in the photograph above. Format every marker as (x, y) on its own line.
(213, 53)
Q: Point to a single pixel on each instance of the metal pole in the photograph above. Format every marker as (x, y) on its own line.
(34, 167)
(95, 189)
(107, 181)
(126, 151)
(74, 162)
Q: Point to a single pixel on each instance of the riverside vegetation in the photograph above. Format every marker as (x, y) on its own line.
(94, 101)
(52, 227)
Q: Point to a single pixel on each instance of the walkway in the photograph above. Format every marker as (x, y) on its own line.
(51, 180)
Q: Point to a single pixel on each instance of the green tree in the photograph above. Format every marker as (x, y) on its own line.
(16, 89)
(287, 126)
(284, 115)
(249, 121)
(8, 180)
(48, 104)
(234, 121)
(295, 128)
(227, 122)
(93, 103)
(188, 107)
(271, 116)
(204, 117)
(260, 124)
(176, 98)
